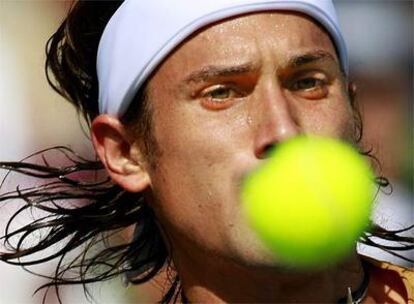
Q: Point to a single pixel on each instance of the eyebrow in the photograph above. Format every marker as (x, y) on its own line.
(212, 71)
(310, 57)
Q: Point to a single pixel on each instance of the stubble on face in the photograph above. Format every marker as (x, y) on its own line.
(216, 102)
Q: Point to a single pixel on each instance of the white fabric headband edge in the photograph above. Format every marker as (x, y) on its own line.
(115, 99)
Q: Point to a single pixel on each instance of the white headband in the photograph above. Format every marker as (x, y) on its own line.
(142, 33)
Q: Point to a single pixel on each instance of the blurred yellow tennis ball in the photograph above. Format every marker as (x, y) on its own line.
(310, 201)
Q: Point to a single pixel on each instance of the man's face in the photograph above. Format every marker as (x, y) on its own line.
(219, 101)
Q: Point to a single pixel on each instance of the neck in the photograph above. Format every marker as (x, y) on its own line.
(217, 280)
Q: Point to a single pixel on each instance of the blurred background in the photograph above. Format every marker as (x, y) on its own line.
(379, 37)
(33, 117)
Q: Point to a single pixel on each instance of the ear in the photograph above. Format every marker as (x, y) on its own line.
(119, 153)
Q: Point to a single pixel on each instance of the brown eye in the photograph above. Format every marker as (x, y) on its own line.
(310, 88)
(220, 93)
(307, 83)
(218, 97)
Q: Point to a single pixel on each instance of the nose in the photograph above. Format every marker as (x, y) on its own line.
(276, 121)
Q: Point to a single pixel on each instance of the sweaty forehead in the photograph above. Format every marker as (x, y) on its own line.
(246, 39)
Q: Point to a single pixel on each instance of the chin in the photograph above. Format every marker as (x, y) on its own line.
(246, 249)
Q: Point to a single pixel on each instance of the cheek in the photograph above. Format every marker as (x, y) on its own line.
(196, 174)
(200, 153)
(332, 118)
(189, 134)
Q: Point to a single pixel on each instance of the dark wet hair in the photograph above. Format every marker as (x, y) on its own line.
(84, 210)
